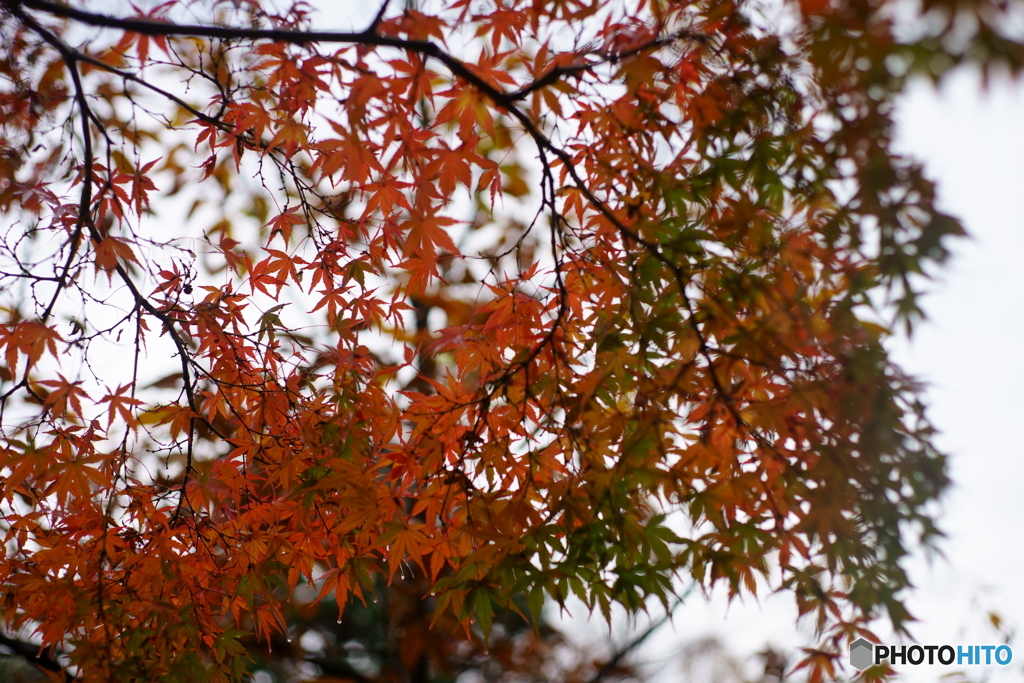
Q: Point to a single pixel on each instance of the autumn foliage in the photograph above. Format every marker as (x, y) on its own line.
(523, 299)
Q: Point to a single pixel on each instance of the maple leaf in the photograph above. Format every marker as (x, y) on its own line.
(284, 222)
(110, 251)
(405, 541)
(120, 407)
(64, 393)
(29, 338)
(427, 234)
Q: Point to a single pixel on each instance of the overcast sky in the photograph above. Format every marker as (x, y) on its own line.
(972, 143)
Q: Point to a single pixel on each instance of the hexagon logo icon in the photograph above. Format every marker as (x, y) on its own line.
(862, 654)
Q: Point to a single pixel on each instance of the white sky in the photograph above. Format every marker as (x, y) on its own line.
(972, 143)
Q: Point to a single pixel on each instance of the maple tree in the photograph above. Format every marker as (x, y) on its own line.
(509, 300)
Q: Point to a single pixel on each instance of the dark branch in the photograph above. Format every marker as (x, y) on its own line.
(35, 654)
(372, 29)
(367, 37)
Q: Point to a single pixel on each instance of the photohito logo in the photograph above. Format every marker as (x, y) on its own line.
(863, 654)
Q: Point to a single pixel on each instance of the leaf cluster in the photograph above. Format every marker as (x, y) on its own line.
(513, 300)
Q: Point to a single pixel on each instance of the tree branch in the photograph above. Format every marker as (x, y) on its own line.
(368, 36)
(35, 654)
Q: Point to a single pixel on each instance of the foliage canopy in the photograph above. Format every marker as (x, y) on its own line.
(539, 299)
